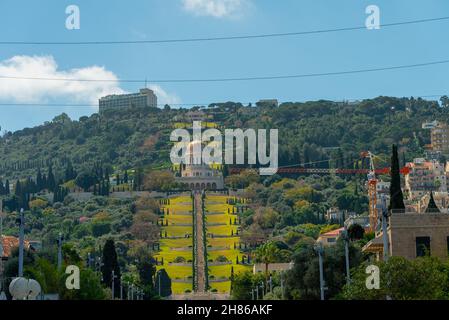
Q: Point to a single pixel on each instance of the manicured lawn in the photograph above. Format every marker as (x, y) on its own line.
(169, 256)
(180, 288)
(176, 243)
(177, 204)
(222, 230)
(177, 271)
(218, 204)
(221, 287)
(177, 231)
(220, 218)
(223, 242)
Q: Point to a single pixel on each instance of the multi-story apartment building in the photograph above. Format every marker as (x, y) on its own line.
(145, 98)
(439, 135)
(424, 177)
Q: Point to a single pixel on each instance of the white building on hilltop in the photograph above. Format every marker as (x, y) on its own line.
(145, 98)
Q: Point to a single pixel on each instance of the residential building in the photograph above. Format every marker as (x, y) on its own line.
(439, 136)
(9, 243)
(360, 220)
(419, 205)
(336, 215)
(145, 98)
(425, 176)
(330, 238)
(272, 267)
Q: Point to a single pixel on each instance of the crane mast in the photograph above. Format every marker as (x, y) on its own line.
(372, 193)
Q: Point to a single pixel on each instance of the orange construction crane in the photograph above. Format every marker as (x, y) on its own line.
(372, 192)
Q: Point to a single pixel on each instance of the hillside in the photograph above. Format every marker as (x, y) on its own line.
(130, 138)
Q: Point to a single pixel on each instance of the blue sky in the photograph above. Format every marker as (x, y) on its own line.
(44, 20)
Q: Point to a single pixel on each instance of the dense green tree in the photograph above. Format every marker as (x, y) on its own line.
(266, 254)
(399, 280)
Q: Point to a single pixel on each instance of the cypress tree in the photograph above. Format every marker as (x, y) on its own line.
(396, 196)
(110, 263)
(39, 183)
(51, 183)
(165, 283)
(432, 206)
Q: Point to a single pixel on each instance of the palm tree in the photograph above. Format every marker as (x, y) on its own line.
(267, 253)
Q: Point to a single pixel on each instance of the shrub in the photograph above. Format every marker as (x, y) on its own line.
(100, 228)
(179, 260)
(221, 259)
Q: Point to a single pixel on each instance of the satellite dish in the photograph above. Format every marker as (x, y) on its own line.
(34, 289)
(18, 288)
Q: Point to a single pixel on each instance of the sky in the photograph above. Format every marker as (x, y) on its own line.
(118, 20)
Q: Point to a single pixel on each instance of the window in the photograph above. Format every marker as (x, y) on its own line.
(422, 246)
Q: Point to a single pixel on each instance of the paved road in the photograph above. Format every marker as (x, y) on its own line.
(201, 263)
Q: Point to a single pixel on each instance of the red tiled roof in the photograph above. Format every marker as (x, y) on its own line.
(333, 233)
(9, 243)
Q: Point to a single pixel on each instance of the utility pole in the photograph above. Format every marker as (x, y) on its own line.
(282, 285)
(346, 240)
(113, 284)
(128, 295)
(132, 291)
(60, 239)
(385, 228)
(257, 292)
(319, 250)
(159, 282)
(121, 288)
(271, 284)
(21, 240)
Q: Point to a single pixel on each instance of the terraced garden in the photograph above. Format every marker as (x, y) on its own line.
(176, 243)
(224, 257)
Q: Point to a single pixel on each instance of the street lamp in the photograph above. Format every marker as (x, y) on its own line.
(21, 240)
(319, 249)
(59, 241)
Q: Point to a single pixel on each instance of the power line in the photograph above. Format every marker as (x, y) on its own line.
(254, 78)
(222, 38)
(86, 105)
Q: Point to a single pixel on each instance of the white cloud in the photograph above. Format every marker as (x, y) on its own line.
(34, 91)
(43, 91)
(163, 97)
(216, 8)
